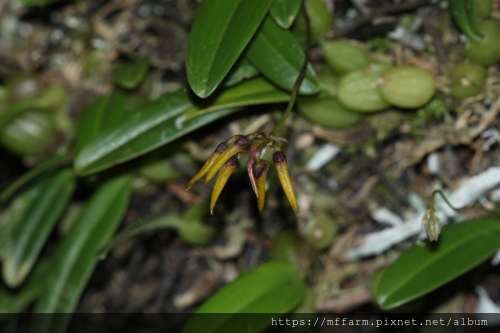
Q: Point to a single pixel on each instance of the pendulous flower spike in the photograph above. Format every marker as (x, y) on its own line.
(230, 167)
(280, 163)
(208, 164)
(259, 172)
(242, 145)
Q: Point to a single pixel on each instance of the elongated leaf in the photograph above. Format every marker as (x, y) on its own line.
(251, 92)
(103, 113)
(276, 54)
(465, 17)
(422, 269)
(78, 254)
(166, 220)
(166, 119)
(221, 31)
(33, 230)
(130, 74)
(17, 301)
(241, 71)
(285, 11)
(273, 287)
(14, 214)
(49, 166)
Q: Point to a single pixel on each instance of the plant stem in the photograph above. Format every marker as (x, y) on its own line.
(436, 192)
(458, 210)
(300, 77)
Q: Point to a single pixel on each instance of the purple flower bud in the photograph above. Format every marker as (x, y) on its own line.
(220, 148)
(233, 162)
(258, 170)
(279, 157)
(243, 143)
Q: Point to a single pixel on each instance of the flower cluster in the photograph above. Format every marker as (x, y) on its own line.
(225, 161)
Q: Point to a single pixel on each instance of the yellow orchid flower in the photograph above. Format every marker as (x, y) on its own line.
(280, 163)
(259, 173)
(242, 145)
(230, 167)
(225, 161)
(208, 164)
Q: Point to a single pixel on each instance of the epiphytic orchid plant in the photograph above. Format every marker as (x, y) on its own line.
(225, 158)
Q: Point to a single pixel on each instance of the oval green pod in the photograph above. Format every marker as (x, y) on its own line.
(485, 51)
(484, 8)
(29, 133)
(359, 91)
(467, 79)
(320, 231)
(328, 111)
(344, 57)
(407, 87)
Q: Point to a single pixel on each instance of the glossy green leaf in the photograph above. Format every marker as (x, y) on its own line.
(464, 13)
(252, 92)
(54, 163)
(423, 268)
(276, 54)
(220, 32)
(166, 220)
(16, 301)
(273, 287)
(285, 11)
(243, 70)
(12, 215)
(166, 119)
(78, 254)
(103, 113)
(128, 75)
(32, 231)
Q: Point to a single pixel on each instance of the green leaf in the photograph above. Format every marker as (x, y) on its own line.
(464, 13)
(221, 31)
(32, 231)
(241, 71)
(423, 268)
(54, 163)
(17, 301)
(78, 254)
(166, 220)
(166, 119)
(251, 92)
(128, 75)
(103, 113)
(285, 11)
(14, 214)
(276, 54)
(272, 287)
